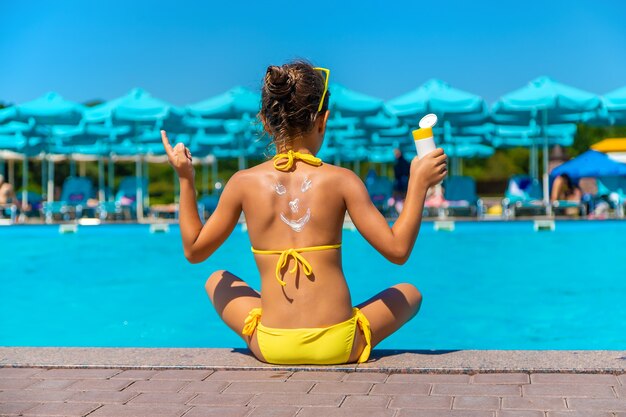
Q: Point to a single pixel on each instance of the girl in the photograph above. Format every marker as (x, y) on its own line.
(294, 207)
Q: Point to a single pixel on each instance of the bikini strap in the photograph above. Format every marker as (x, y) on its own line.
(284, 161)
(364, 324)
(251, 322)
(298, 258)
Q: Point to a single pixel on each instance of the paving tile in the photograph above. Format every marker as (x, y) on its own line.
(274, 412)
(135, 374)
(503, 378)
(476, 403)
(72, 373)
(158, 410)
(596, 404)
(620, 390)
(622, 379)
(475, 389)
(61, 409)
(344, 412)
(366, 377)
(519, 413)
(161, 398)
(241, 387)
(334, 387)
(317, 376)
(580, 414)
(34, 395)
(156, 386)
(103, 397)
(52, 383)
(16, 383)
(533, 403)
(221, 399)
(206, 386)
(573, 379)
(407, 412)
(430, 378)
(421, 402)
(14, 409)
(19, 372)
(182, 374)
(249, 376)
(363, 401)
(568, 390)
(217, 412)
(301, 400)
(393, 388)
(99, 385)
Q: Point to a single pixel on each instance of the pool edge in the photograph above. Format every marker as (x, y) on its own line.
(390, 361)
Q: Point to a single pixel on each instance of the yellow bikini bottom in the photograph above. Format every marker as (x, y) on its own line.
(312, 346)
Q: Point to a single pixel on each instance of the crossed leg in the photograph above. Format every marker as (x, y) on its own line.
(387, 311)
(233, 299)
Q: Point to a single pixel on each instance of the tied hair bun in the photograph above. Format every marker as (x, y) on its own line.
(279, 82)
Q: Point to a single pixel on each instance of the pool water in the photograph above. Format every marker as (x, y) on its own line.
(485, 286)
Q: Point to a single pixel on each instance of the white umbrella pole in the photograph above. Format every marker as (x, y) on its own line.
(147, 177)
(44, 171)
(101, 178)
(25, 181)
(139, 195)
(546, 184)
(111, 178)
(214, 175)
(11, 172)
(50, 181)
(205, 177)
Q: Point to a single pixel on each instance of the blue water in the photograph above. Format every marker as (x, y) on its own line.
(485, 286)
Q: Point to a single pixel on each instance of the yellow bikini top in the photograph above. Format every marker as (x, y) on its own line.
(295, 254)
(284, 161)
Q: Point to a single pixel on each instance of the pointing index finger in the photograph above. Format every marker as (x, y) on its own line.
(166, 142)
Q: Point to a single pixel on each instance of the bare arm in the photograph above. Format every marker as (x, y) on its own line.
(395, 243)
(199, 241)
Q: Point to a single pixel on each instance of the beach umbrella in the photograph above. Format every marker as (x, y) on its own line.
(590, 164)
(44, 112)
(542, 102)
(615, 106)
(236, 110)
(145, 116)
(349, 103)
(454, 108)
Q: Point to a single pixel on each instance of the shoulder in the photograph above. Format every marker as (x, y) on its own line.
(344, 178)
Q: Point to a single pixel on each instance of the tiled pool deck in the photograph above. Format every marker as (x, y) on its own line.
(224, 382)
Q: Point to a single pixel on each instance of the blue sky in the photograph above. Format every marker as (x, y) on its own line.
(184, 51)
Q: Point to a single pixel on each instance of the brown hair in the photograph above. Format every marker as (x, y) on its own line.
(290, 97)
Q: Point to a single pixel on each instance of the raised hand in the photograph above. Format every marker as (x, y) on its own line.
(179, 157)
(431, 169)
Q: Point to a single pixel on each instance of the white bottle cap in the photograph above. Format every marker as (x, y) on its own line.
(429, 120)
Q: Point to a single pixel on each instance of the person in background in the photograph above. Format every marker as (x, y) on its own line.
(401, 172)
(564, 189)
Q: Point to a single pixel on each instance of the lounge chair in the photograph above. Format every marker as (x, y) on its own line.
(523, 194)
(461, 197)
(616, 190)
(125, 202)
(74, 196)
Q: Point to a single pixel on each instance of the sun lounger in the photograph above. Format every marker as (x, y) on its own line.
(74, 196)
(125, 202)
(523, 196)
(615, 189)
(461, 197)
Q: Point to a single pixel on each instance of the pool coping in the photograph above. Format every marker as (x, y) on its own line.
(396, 361)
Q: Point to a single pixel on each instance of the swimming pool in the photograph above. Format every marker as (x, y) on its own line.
(485, 285)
